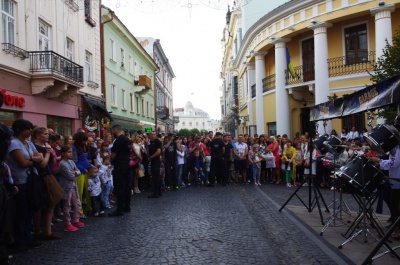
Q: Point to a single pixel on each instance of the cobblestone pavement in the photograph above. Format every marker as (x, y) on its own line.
(236, 224)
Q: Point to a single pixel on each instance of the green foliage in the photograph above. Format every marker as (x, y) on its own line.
(387, 66)
(203, 132)
(184, 132)
(194, 131)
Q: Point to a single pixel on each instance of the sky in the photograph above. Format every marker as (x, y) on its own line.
(191, 39)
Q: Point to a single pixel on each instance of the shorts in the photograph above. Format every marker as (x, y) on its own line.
(240, 165)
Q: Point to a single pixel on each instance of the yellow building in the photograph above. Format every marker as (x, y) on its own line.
(332, 46)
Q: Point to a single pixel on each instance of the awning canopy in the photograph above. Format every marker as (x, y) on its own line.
(97, 108)
(372, 97)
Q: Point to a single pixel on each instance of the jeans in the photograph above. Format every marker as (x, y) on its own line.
(178, 174)
(105, 192)
(196, 175)
(169, 168)
(256, 172)
(23, 216)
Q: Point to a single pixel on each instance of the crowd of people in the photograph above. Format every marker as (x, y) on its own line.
(52, 178)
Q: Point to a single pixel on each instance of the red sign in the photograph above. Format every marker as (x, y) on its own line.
(10, 100)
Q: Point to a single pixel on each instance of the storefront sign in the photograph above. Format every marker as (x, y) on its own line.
(148, 130)
(10, 100)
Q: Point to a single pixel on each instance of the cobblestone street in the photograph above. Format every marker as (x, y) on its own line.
(222, 225)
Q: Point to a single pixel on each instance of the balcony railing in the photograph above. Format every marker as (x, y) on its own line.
(234, 103)
(303, 73)
(268, 83)
(144, 80)
(253, 91)
(71, 3)
(347, 65)
(162, 112)
(16, 51)
(49, 61)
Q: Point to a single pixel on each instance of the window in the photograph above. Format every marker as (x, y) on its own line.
(87, 8)
(132, 100)
(130, 65)
(113, 95)
(60, 125)
(151, 111)
(190, 124)
(183, 124)
(356, 39)
(70, 49)
(44, 36)
(147, 109)
(123, 100)
(141, 70)
(197, 124)
(112, 47)
(88, 66)
(136, 69)
(137, 104)
(8, 21)
(142, 106)
(122, 58)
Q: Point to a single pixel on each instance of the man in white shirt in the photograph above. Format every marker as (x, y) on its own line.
(240, 155)
(353, 134)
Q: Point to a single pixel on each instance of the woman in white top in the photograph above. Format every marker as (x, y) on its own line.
(136, 147)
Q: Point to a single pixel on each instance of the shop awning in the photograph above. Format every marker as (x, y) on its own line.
(97, 107)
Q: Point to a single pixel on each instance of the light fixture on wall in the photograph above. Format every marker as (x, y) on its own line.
(381, 3)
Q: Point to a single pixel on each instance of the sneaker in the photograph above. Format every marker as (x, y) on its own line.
(70, 228)
(78, 224)
(305, 184)
(109, 206)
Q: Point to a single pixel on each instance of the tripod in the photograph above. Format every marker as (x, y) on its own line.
(313, 199)
(336, 210)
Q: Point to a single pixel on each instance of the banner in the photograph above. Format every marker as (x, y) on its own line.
(370, 98)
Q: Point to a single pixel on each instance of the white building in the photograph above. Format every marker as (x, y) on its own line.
(50, 57)
(191, 118)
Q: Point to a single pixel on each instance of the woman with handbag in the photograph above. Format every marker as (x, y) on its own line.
(274, 148)
(22, 156)
(40, 137)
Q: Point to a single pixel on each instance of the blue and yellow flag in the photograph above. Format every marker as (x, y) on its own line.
(290, 66)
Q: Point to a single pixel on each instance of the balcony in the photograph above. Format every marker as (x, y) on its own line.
(268, 83)
(143, 85)
(347, 65)
(14, 50)
(49, 62)
(162, 112)
(234, 103)
(71, 3)
(303, 73)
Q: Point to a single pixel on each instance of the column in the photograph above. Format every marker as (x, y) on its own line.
(383, 32)
(260, 75)
(250, 82)
(383, 26)
(321, 68)
(282, 96)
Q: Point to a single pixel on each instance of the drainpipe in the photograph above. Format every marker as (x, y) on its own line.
(103, 76)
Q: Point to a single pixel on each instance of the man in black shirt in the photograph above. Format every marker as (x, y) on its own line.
(120, 159)
(228, 154)
(155, 148)
(170, 160)
(217, 161)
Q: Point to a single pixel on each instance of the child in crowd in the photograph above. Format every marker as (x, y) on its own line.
(95, 192)
(198, 168)
(105, 177)
(68, 173)
(255, 158)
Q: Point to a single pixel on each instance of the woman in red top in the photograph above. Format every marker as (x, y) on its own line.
(204, 147)
(274, 148)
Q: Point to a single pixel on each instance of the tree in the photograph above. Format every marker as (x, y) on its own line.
(203, 132)
(387, 66)
(184, 132)
(194, 131)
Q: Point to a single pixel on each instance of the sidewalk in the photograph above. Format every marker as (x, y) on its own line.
(356, 250)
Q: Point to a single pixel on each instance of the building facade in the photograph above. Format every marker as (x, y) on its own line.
(163, 78)
(129, 75)
(192, 118)
(331, 44)
(50, 58)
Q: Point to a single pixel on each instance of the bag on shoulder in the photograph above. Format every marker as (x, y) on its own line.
(54, 189)
(37, 191)
(269, 160)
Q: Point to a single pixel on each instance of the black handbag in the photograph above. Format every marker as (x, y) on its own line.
(37, 191)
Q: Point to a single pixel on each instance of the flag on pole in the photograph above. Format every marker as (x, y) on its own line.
(290, 66)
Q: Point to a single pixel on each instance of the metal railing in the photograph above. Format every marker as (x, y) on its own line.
(347, 65)
(302, 73)
(16, 51)
(234, 103)
(49, 61)
(253, 91)
(268, 83)
(71, 3)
